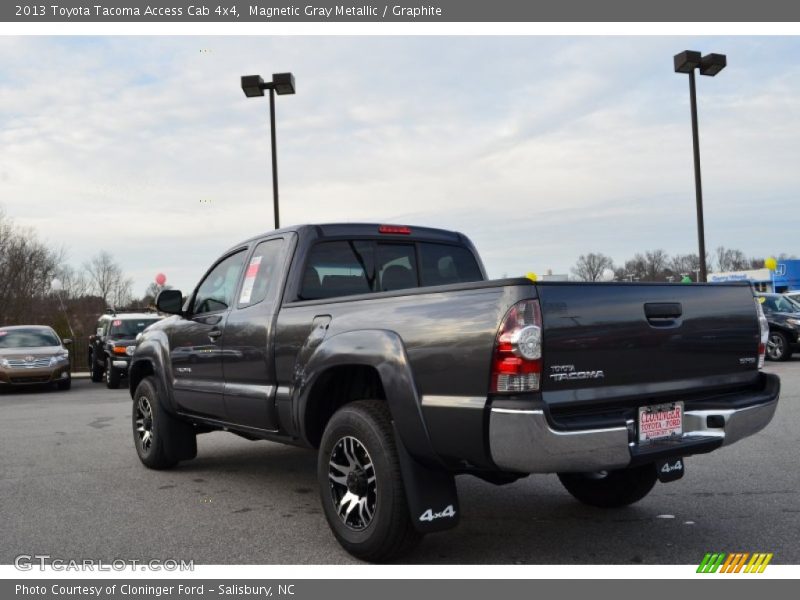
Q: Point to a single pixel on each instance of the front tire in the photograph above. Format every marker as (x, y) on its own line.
(361, 486)
(113, 375)
(778, 347)
(161, 440)
(611, 489)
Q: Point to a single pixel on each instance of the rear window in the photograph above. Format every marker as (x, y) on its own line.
(442, 264)
(27, 338)
(337, 269)
(344, 268)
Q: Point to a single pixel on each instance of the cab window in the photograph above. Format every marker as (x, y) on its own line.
(338, 269)
(216, 291)
(261, 277)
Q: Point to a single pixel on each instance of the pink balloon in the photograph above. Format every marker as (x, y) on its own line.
(161, 279)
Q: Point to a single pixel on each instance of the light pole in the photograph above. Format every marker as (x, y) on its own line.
(710, 64)
(253, 86)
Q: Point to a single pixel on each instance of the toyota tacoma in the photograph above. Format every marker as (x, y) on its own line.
(387, 350)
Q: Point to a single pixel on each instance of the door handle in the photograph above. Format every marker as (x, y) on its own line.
(663, 314)
(214, 334)
(209, 320)
(663, 310)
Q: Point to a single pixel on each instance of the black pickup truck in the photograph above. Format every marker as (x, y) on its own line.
(387, 350)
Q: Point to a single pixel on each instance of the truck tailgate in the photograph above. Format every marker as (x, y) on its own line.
(605, 343)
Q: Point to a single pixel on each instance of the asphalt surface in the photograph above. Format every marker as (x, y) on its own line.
(72, 487)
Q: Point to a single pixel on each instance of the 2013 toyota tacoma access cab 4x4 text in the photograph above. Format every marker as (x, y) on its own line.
(385, 348)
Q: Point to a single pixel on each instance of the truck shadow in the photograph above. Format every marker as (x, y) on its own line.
(532, 521)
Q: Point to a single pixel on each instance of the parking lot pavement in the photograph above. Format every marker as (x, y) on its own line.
(72, 487)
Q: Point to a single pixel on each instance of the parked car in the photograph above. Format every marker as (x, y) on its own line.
(111, 346)
(33, 354)
(783, 316)
(387, 350)
(793, 296)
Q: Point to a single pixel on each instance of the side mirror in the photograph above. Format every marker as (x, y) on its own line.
(66, 342)
(170, 302)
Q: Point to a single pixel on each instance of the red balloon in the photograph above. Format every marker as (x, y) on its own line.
(161, 279)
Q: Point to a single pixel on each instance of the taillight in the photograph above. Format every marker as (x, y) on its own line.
(395, 229)
(517, 360)
(763, 327)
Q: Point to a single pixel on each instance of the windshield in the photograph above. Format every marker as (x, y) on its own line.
(781, 304)
(129, 328)
(27, 338)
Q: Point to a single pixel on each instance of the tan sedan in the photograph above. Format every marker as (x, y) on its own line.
(33, 355)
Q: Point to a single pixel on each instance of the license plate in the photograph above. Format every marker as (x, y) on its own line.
(660, 421)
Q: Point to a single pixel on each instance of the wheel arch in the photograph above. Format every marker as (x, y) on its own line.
(333, 388)
(151, 359)
(345, 367)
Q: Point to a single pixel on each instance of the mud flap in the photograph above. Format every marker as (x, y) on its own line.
(431, 493)
(182, 440)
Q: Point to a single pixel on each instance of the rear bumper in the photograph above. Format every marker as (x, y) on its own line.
(525, 441)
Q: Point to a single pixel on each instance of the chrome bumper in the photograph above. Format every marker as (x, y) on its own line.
(523, 441)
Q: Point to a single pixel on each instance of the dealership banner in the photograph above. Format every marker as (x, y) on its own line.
(443, 11)
(397, 589)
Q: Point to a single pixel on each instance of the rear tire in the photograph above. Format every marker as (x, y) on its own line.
(778, 347)
(361, 486)
(112, 375)
(611, 489)
(160, 439)
(95, 369)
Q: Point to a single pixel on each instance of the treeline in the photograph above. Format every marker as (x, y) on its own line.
(657, 265)
(39, 286)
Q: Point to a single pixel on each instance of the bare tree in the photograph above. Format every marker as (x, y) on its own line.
(731, 259)
(635, 268)
(122, 292)
(26, 269)
(656, 265)
(590, 266)
(107, 280)
(152, 291)
(684, 264)
(73, 283)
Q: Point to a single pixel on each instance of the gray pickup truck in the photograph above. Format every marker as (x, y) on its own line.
(387, 350)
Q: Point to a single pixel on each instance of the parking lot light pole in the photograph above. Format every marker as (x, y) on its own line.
(710, 64)
(254, 86)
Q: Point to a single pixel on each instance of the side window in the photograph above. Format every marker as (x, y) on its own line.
(396, 265)
(442, 264)
(217, 289)
(338, 269)
(262, 273)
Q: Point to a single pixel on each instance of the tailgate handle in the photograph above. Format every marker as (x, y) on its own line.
(659, 311)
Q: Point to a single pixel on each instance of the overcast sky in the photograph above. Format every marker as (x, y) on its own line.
(538, 148)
